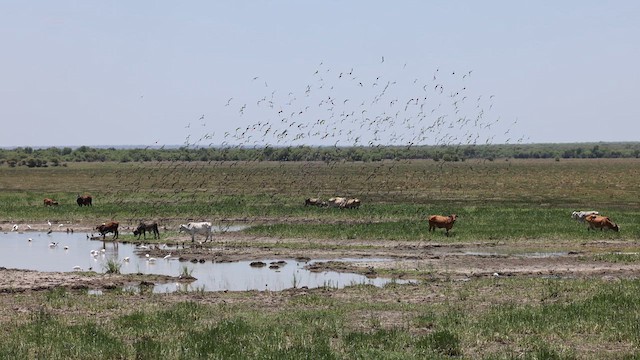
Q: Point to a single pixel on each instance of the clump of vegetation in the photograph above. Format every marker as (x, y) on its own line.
(443, 342)
(186, 273)
(112, 266)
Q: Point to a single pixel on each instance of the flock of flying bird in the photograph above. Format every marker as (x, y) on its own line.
(349, 108)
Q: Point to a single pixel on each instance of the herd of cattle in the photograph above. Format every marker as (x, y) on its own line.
(81, 200)
(143, 228)
(595, 220)
(592, 218)
(336, 202)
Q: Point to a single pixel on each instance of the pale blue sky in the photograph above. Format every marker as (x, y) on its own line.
(145, 72)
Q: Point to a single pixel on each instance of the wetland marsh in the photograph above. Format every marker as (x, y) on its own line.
(517, 276)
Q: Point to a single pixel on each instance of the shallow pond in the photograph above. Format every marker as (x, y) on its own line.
(35, 251)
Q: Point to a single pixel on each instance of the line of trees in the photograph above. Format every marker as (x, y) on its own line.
(54, 156)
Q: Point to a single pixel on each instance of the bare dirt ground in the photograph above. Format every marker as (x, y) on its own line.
(404, 260)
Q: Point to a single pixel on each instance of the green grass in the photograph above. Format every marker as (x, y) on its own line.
(526, 318)
(474, 223)
(498, 200)
(627, 258)
(112, 266)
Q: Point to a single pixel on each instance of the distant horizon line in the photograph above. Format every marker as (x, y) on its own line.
(158, 147)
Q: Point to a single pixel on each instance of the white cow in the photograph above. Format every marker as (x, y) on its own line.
(352, 203)
(194, 228)
(336, 201)
(582, 215)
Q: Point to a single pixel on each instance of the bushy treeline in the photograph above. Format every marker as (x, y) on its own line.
(54, 156)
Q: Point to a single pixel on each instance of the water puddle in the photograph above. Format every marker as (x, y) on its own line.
(66, 252)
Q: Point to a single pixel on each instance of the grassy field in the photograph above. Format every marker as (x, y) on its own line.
(512, 201)
(494, 200)
(492, 319)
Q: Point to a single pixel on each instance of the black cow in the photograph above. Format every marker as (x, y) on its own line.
(84, 200)
(143, 228)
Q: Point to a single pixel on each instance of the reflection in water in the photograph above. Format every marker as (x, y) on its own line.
(60, 251)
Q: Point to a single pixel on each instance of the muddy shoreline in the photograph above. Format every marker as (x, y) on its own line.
(419, 260)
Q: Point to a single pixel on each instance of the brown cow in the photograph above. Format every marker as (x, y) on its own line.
(601, 222)
(84, 200)
(110, 227)
(439, 221)
(50, 202)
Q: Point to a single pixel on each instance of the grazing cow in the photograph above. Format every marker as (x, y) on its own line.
(581, 215)
(439, 221)
(315, 202)
(350, 204)
(601, 222)
(84, 200)
(193, 228)
(110, 227)
(143, 228)
(50, 202)
(336, 201)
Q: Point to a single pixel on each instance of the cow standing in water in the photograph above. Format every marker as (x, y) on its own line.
(84, 200)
